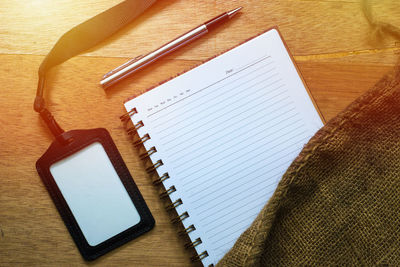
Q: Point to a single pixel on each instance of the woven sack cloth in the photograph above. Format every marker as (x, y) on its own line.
(339, 201)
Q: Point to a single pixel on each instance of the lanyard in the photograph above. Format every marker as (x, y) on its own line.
(79, 39)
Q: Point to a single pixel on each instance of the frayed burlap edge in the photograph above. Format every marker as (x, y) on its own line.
(249, 247)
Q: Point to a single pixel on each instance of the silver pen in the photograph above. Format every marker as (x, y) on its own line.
(138, 63)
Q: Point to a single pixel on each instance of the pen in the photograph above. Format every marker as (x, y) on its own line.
(136, 64)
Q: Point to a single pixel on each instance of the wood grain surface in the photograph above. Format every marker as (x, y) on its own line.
(330, 40)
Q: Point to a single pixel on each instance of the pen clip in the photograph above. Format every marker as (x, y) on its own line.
(122, 66)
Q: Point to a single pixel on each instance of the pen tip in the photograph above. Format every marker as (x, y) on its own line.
(234, 11)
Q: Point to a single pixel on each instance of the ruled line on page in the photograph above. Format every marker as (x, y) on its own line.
(248, 185)
(251, 153)
(233, 136)
(230, 241)
(224, 86)
(291, 113)
(224, 247)
(222, 206)
(216, 182)
(208, 102)
(223, 91)
(263, 149)
(223, 107)
(224, 99)
(207, 213)
(221, 183)
(232, 124)
(252, 63)
(283, 115)
(239, 211)
(215, 242)
(201, 130)
(234, 228)
(236, 233)
(238, 185)
(245, 218)
(151, 114)
(220, 90)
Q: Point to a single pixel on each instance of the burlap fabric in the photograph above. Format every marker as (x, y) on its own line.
(339, 201)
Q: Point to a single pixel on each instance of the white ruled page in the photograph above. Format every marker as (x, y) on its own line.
(226, 132)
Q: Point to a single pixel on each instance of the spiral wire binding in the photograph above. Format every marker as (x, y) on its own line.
(194, 243)
(148, 153)
(199, 257)
(172, 206)
(164, 177)
(128, 115)
(135, 127)
(168, 192)
(154, 167)
(187, 230)
(178, 219)
(141, 140)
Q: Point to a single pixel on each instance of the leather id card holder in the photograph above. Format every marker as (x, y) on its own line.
(94, 192)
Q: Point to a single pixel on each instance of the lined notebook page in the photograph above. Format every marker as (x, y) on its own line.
(226, 131)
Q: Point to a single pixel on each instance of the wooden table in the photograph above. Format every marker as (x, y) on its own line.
(330, 41)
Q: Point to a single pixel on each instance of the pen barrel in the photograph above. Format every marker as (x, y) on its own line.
(214, 22)
(131, 67)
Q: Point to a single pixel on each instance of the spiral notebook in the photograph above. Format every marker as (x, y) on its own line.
(221, 135)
